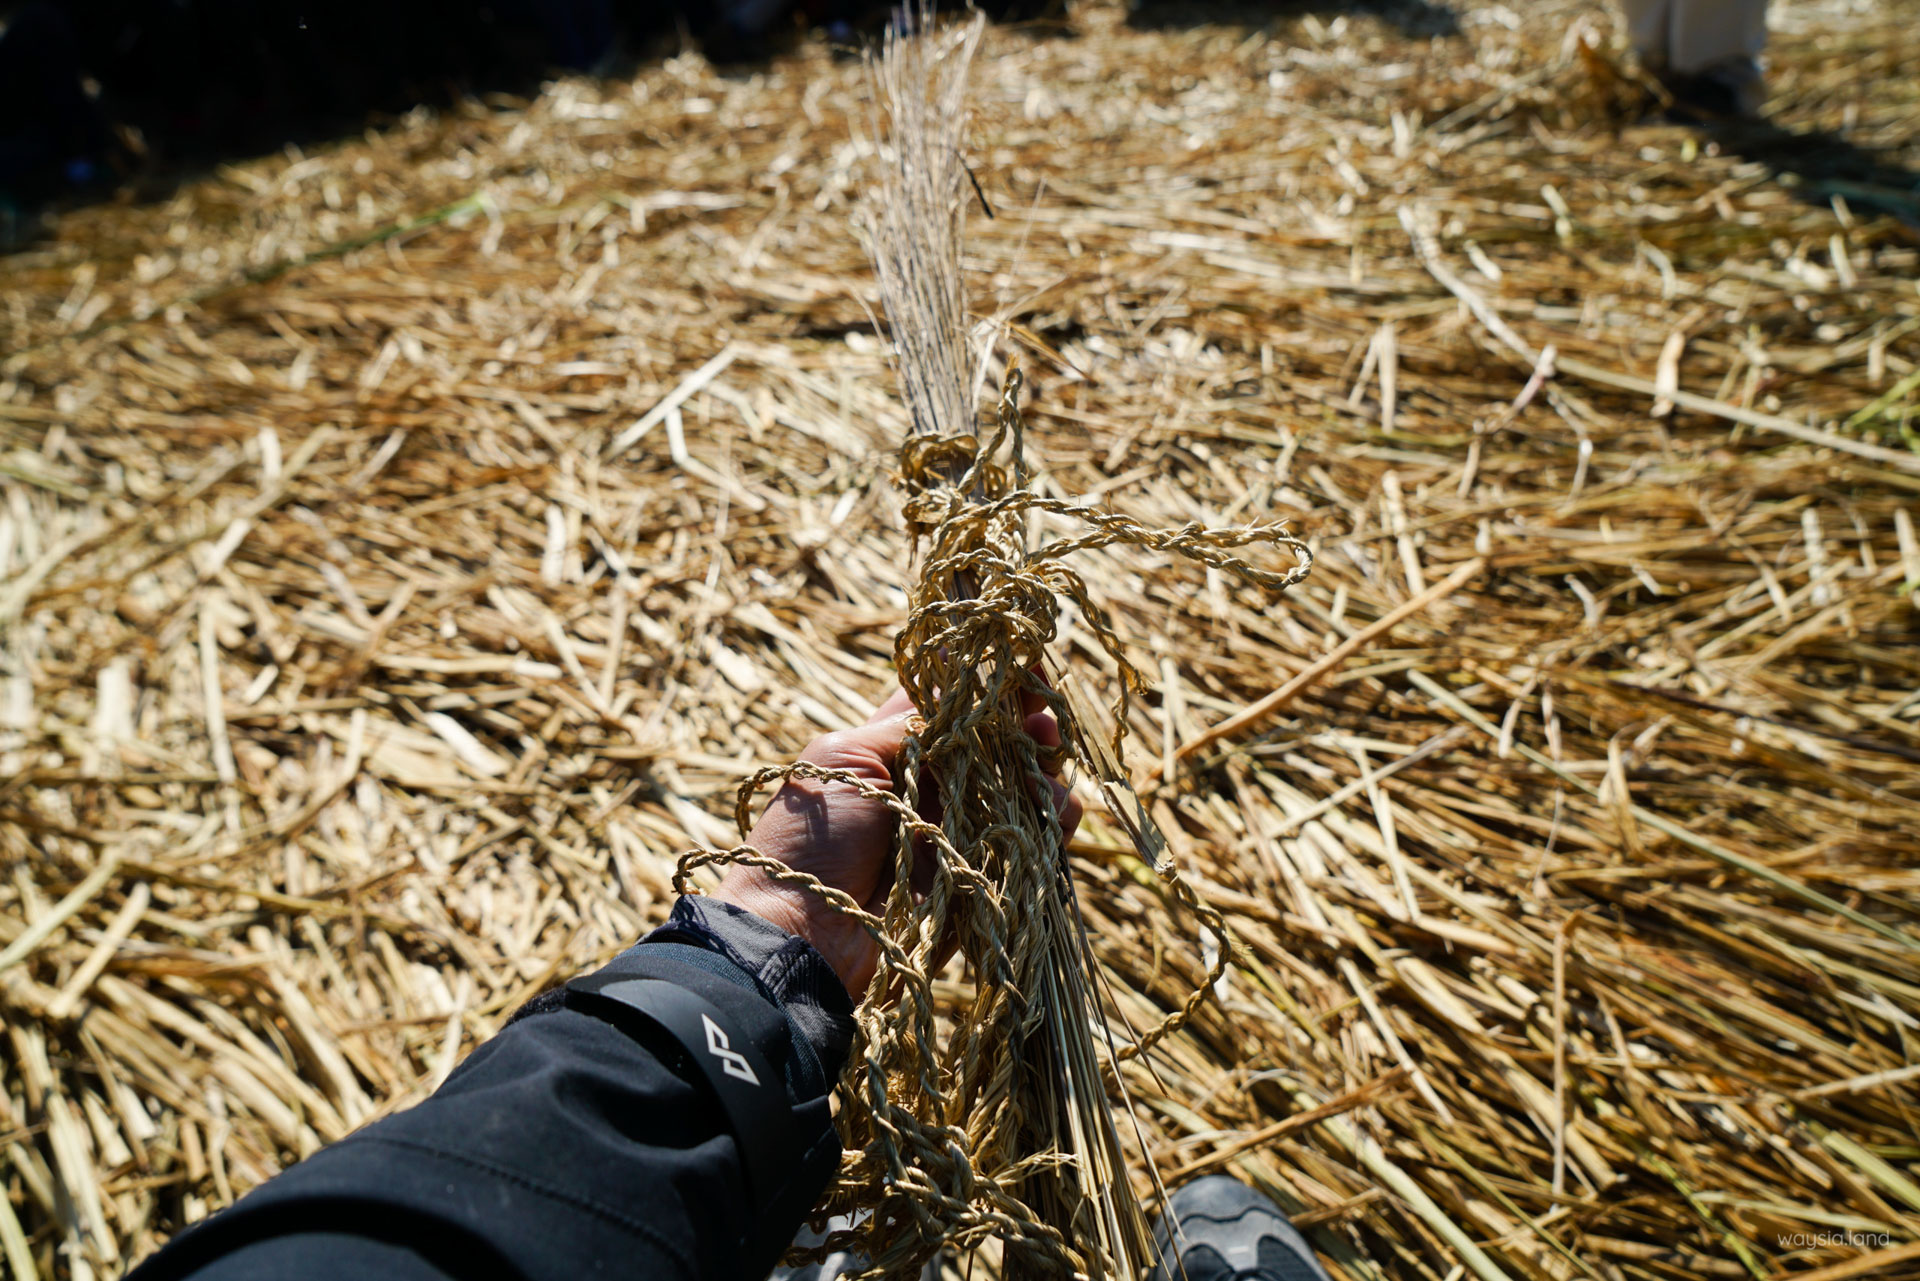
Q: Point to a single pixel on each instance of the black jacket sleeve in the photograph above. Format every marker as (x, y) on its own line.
(585, 1140)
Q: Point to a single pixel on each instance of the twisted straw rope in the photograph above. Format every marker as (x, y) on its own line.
(941, 1149)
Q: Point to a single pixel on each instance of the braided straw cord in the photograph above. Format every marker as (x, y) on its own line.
(1005, 1127)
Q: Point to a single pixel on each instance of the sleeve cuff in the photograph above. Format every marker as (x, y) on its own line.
(785, 967)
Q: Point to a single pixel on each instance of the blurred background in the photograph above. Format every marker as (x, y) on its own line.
(97, 94)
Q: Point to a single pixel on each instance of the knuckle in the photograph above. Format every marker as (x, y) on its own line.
(828, 750)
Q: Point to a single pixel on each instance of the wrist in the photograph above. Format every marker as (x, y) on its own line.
(748, 890)
(802, 914)
(784, 967)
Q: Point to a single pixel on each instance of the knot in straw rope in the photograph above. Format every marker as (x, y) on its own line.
(962, 1128)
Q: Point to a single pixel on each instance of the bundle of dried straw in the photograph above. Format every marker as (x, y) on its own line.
(1004, 1129)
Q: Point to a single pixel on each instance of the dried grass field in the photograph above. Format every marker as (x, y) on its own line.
(407, 545)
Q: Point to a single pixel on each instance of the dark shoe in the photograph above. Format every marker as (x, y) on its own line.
(1217, 1228)
(1727, 92)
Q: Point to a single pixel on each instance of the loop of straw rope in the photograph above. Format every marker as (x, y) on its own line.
(1217, 926)
(953, 1139)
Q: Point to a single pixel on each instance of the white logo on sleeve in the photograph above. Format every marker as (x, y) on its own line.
(731, 1060)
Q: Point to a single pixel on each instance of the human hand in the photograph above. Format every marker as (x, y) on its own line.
(847, 840)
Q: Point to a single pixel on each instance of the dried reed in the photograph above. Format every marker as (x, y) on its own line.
(355, 688)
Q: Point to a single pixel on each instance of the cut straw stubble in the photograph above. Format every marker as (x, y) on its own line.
(1194, 252)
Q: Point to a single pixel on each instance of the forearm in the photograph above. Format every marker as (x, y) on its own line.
(586, 1138)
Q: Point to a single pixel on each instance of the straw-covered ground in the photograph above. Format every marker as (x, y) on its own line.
(407, 545)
